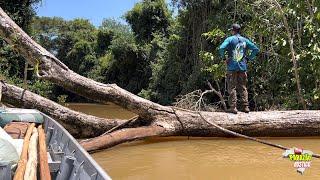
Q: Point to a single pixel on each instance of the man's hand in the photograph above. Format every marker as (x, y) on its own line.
(226, 61)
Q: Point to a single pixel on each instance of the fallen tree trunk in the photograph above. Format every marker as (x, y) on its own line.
(264, 123)
(78, 124)
(121, 136)
(272, 123)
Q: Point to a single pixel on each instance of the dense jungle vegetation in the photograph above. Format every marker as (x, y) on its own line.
(168, 50)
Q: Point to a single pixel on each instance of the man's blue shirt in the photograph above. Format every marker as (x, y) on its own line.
(237, 47)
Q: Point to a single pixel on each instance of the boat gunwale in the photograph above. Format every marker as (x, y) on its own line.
(86, 155)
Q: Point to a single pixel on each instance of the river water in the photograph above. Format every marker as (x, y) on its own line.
(198, 158)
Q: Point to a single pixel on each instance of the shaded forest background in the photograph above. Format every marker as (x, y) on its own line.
(166, 51)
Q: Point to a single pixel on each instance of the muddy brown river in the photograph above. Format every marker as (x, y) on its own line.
(198, 158)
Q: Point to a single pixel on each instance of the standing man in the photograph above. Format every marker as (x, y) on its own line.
(237, 50)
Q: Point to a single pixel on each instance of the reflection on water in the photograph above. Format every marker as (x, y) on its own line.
(201, 158)
(109, 110)
(210, 158)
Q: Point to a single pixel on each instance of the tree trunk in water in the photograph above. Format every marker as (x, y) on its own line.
(189, 123)
(121, 136)
(78, 124)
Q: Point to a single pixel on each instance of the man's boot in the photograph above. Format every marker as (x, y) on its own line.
(245, 109)
(233, 110)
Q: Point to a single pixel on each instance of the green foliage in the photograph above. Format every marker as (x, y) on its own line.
(167, 72)
(216, 70)
(104, 39)
(149, 17)
(11, 63)
(214, 36)
(98, 73)
(201, 26)
(62, 99)
(99, 53)
(129, 67)
(116, 27)
(21, 12)
(42, 88)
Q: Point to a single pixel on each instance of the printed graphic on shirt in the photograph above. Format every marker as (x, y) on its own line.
(239, 51)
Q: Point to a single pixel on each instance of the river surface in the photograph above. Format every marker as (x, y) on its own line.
(198, 158)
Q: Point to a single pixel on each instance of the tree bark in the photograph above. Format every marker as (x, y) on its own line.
(78, 124)
(121, 136)
(189, 123)
(263, 123)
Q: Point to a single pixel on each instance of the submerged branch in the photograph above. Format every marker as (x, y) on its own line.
(121, 136)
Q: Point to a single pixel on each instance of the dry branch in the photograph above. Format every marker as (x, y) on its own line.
(32, 164)
(121, 136)
(121, 125)
(218, 93)
(43, 157)
(195, 100)
(24, 155)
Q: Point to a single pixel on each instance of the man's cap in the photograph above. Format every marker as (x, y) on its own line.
(235, 27)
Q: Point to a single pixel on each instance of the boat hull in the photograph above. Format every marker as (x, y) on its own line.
(67, 159)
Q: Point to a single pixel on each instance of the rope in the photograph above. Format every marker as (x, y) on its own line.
(120, 125)
(178, 118)
(248, 137)
(1, 95)
(1, 91)
(36, 68)
(25, 78)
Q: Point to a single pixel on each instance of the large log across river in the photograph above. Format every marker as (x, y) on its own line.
(271, 123)
(154, 119)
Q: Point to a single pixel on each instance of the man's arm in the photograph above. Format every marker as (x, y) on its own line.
(223, 46)
(253, 48)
